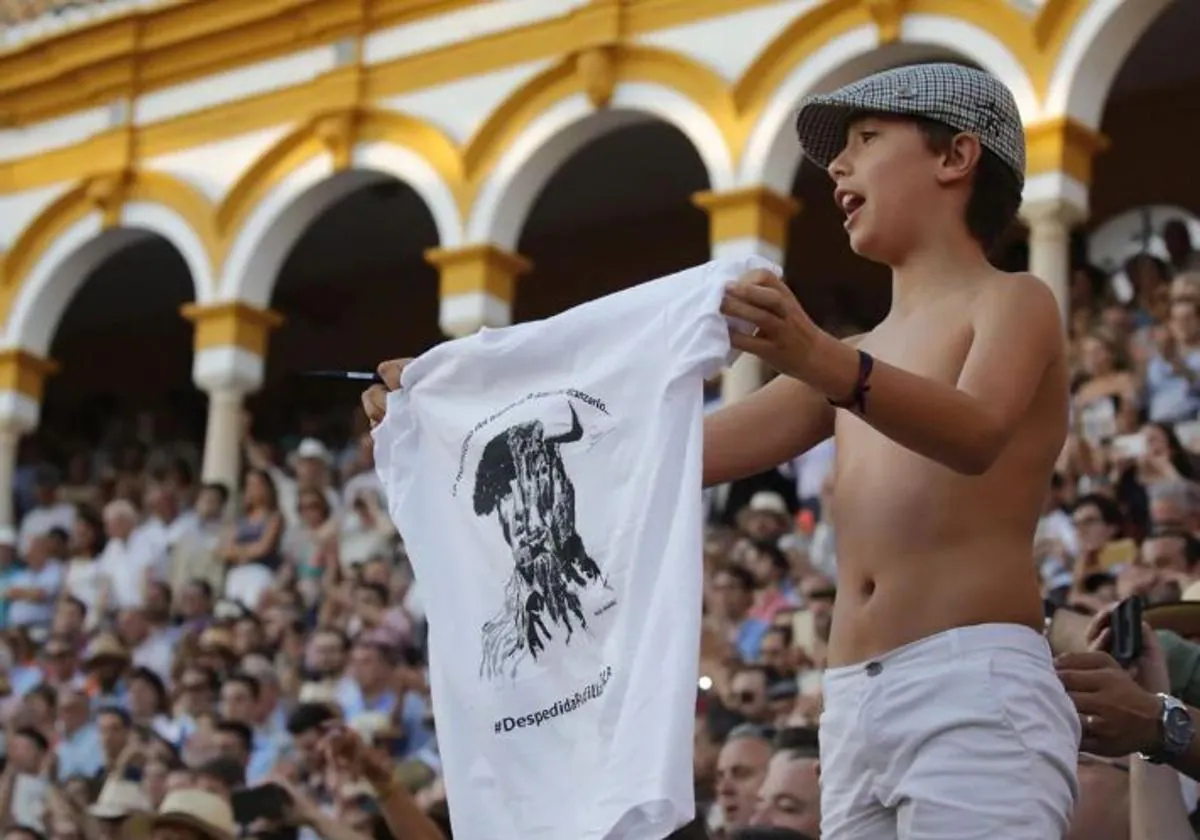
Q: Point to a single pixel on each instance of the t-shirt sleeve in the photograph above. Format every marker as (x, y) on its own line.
(698, 334)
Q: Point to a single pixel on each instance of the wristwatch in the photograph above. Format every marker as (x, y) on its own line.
(1177, 729)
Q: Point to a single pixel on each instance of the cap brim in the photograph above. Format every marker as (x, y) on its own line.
(823, 119)
(821, 127)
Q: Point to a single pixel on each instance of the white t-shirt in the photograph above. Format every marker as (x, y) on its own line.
(546, 481)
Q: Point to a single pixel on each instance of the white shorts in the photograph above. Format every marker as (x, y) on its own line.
(966, 734)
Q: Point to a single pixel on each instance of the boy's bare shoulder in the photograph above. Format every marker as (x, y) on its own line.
(1020, 287)
(1022, 301)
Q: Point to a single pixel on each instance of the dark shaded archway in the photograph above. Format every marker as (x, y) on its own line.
(125, 356)
(617, 213)
(1152, 119)
(354, 290)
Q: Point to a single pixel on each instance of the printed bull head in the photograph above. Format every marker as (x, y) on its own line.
(522, 478)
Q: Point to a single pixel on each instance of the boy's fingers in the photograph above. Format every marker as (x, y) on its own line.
(374, 403)
(390, 371)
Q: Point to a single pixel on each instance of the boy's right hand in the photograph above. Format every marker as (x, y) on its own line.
(374, 399)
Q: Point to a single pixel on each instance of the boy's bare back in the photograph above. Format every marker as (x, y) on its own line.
(922, 548)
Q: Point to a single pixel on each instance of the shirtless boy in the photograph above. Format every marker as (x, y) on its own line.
(944, 717)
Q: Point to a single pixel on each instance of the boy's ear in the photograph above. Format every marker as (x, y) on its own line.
(960, 159)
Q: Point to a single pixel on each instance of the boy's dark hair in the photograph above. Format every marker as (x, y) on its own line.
(117, 712)
(217, 487)
(307, 717)
(743, 577)
(249, 680)
(241, 730)
(798, 742)
(225, 771)
(995, 193)
(39, 740)
(1109, 510)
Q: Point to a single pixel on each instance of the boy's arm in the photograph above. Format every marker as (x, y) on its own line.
(1018, 335)
(777, 422)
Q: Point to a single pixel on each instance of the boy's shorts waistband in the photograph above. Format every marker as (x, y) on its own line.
(948, 644)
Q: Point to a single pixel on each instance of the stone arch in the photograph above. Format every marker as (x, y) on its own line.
(1093, 52)
(835, 44)
(72, 237)
(310, 170)
(529, 138)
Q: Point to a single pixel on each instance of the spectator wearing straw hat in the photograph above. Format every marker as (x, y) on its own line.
(121, 810)
(193, 814)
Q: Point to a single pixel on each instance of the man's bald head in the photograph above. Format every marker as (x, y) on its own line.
(741, 768)
(790, 795)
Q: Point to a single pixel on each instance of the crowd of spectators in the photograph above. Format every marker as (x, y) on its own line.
(167, 644)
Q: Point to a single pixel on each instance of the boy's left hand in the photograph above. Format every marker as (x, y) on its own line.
(785, 337)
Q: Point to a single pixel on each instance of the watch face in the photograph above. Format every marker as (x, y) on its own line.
(1178, 729)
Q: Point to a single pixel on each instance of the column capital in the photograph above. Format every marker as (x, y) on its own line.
(1061, 152)
(230, 344)
(1062, 144)
(232, 324)
(477, 286)
(1058, 211)
(748, 213)
(22, 380)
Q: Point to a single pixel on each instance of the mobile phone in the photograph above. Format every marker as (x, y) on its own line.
(1129, 446)
(1125, 626)
(266, 802)
(804, 630)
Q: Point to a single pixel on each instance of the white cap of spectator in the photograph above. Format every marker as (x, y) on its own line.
(313, 449)
(765, 501)
(8, 536)
(324, 693)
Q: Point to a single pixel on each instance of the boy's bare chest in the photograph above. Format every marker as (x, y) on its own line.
(933, 345)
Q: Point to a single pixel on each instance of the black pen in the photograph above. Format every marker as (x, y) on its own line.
(368, 376)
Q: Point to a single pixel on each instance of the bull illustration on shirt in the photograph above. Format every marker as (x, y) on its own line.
(522, 479)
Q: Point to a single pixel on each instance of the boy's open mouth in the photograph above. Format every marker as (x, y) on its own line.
(851, 203)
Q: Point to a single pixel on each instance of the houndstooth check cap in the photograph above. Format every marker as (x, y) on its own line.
(963, 98)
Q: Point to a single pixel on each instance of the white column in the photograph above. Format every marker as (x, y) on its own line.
(1060, 153)
(231, 343)
(226, 374)
(222, 436)
(752, 221)
(1050, 224)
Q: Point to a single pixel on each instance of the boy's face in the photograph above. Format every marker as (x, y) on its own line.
(884, 177)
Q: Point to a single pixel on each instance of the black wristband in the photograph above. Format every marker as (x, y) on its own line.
(857, 401)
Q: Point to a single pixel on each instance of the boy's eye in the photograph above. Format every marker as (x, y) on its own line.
(866, 136)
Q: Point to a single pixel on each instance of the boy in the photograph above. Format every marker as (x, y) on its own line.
(944, 717)
(943, 714)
